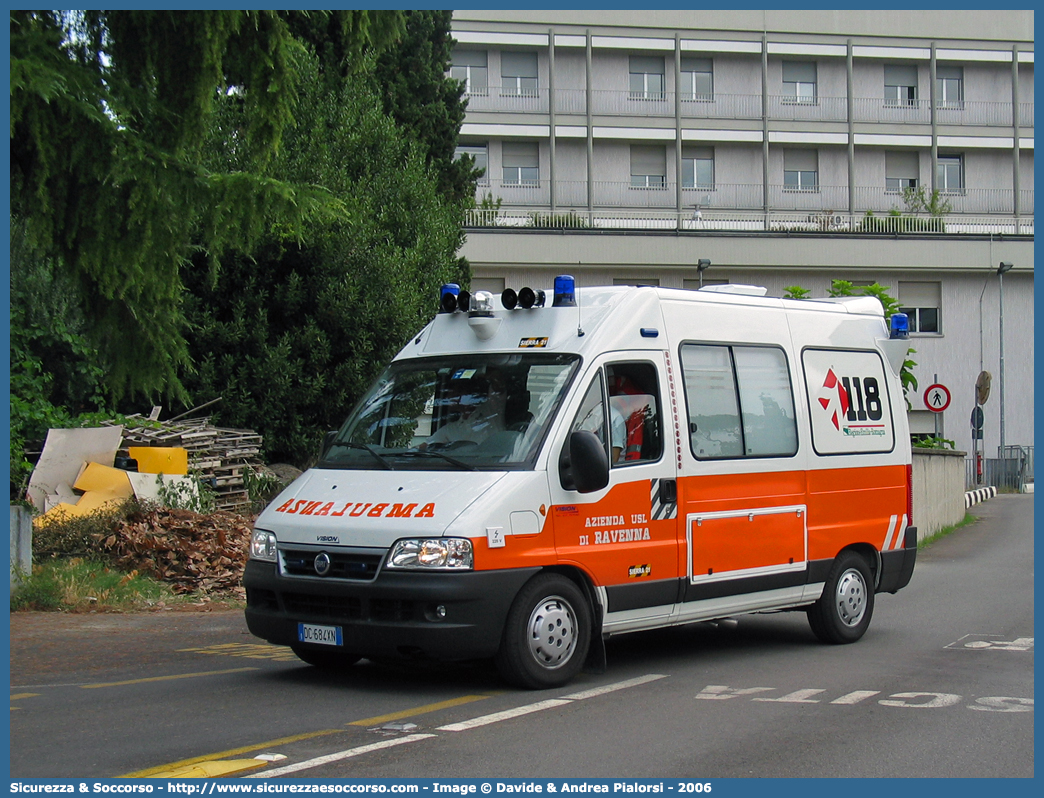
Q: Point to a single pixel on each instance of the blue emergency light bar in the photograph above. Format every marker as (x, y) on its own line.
(900, 327)
(565, 292)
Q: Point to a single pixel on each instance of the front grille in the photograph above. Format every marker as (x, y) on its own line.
(349, 608)
(305, 605)
(357, 564)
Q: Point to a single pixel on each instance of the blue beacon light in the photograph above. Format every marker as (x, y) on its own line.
(900, 326)
(448, 297)
(565, 292)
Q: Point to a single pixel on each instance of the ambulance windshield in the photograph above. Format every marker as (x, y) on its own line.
(463, 411)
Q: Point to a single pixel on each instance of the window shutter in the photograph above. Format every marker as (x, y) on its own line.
(522, 154)
(949, 72)
(646, 64)
(518, 65)
(474, 58)
(800, 161)
(648, 160)
(902, 164)
(691, 64)
(919, 295)
(799, 71)
(698, 153)
(900, 75)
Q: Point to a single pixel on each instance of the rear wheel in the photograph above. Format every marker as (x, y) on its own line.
(843, 612)
(327, 660)
(546, 635)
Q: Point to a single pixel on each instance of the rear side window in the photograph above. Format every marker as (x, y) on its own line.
(740, 401)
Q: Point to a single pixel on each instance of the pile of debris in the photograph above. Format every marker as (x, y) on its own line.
(191, 552)
(216, 454)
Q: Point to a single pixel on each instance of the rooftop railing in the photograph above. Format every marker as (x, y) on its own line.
(739, 196)
(747, 221)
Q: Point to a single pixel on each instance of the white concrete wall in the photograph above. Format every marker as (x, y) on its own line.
(938, 490)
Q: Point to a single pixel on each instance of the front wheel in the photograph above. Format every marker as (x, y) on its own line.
(843, 612)
(546, 635)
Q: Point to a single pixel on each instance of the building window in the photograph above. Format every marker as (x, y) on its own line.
(469, 67)
(698, 168)
(646, 78)
(921, 302)
(697, 79)
(949, 86)
(518, 74)
(799, 82)
(800, 170)
(639, 281)
(479, 154)
(900, 85)
(949, 174)
(521, 163)
(648, 166)
(901, 171)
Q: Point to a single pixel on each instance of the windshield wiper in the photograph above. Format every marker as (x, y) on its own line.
(380, 458)
(440, 455)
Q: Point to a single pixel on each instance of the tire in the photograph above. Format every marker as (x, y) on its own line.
(546, 635)
(843, 612)
(327, 660)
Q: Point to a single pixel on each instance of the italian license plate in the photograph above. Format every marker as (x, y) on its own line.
(321, 635)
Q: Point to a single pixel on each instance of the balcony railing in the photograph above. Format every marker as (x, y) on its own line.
(749, 107)
(748, 221)
(740, 196)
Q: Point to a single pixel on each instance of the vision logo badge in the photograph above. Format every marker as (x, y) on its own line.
(833, 395)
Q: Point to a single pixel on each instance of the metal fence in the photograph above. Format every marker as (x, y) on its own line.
(1013, 471)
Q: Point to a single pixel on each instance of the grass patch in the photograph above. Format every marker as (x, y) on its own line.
(79, 584)
(946, 530)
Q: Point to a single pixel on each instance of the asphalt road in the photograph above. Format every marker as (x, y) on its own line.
(940, 686)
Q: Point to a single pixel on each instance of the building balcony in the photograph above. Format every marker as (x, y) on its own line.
(742, 207)
(781, 108)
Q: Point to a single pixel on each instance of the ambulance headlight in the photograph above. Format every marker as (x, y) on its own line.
(263, 546)
(441, 554)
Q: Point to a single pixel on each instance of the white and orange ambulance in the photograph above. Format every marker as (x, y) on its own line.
(534, 473)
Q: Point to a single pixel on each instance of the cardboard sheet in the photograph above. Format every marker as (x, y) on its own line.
(64, 453)
(106, 479)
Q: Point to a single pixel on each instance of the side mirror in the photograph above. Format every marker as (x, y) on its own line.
(584, 465)
(328, 439)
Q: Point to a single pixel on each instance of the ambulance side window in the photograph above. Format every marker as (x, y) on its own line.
(740, 401)
(591, 415)
(634, 412)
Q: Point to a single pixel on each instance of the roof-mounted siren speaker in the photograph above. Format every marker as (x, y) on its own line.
(565, 292)
(509, 299)
(528, 298)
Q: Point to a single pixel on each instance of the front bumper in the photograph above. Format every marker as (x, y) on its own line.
(392, 616)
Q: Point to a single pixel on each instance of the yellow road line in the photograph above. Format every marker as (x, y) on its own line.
(408, 713)
(165, 678)
(16, 696)
(141, 774)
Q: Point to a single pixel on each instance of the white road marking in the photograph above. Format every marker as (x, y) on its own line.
(720, 692)
(507, 714)
(797, 697)
(855, 696)
(612, 688)
(323, 760)
(992, 643)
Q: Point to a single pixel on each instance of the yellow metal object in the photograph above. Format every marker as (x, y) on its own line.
(210, 770)
(160, 459)
(106, 479)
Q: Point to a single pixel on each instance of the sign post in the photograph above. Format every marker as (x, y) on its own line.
(937, 399)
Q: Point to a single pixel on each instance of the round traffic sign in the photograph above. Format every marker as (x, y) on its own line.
(976, 418)
(937, 397)
(982, 387)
